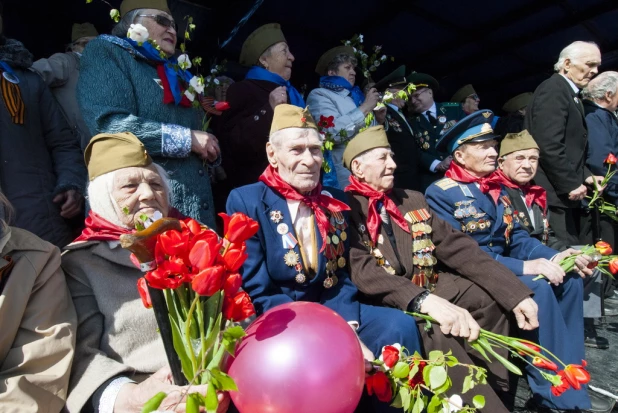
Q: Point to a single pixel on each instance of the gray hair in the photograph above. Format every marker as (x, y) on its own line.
(572, 52)
(121, 29)
(366, 156)
(100, 194)
(267, 53)
(600, 85)
(277, 137)
(339, 60)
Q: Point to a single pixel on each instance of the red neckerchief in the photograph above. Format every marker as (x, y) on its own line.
(373, 216)
(167, 91)
(532, 193)
(487, 184)
(100, 229)
(315, 200)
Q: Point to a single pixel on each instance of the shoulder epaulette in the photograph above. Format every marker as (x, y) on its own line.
(451, 104)
(446, 183)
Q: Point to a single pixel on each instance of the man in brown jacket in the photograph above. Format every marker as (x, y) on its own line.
(447, 276)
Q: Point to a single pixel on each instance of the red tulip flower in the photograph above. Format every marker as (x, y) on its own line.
(207, 282)
(234, 257)
(222, 106)
(577, 375)
(238, 227)
(531, 346)
(390, 356)
(613, 266)
(380, 385)
(544, 364)
(611, 159)
(557, 390)
(142, 289)
(326, 122)
(232, 284)
(603, 247)
(238, 307)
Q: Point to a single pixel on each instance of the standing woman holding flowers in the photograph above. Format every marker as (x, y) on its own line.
(120, 362)
(337, 97)
(127, 84)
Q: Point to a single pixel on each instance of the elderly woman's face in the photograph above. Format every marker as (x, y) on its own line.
(137, 191)
(278, 60)
(160, 29)
(346, 71)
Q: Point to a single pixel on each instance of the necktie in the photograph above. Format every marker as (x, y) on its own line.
(432, 119)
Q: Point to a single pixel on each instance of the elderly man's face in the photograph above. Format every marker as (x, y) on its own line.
(421, 100)
(164, 35)
(582, 69)
(376, 168)
(346, 71)
(471, 104)
(478, 158)
(520, 166)
(297, 156)
(279, 60)
(137, 191)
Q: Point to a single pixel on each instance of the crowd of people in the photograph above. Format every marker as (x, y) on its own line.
(440, 208)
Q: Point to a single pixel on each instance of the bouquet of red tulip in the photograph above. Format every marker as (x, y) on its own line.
(571, 376)
(596, 200)
(601, 259)
(197, 271)
(413, 383)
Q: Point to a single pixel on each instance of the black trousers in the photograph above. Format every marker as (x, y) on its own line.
(567, 223)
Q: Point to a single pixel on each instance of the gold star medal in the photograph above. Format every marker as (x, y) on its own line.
(291, 258)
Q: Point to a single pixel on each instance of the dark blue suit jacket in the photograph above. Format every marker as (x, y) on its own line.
(602, 140)
(442, 196)
(266, 277)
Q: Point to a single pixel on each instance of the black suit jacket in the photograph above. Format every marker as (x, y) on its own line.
(555, 119)
(407, 156)
(536, 230)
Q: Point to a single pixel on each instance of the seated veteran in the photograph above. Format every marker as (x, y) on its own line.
(338, 97)
(119, 361)
(472, 199)
(406, 152)
(402, 255)
(300, 252)
(37, 338)
(517, 164)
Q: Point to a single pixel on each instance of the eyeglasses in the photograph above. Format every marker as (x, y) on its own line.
(161, 20)
(474, 97)
(418, 93)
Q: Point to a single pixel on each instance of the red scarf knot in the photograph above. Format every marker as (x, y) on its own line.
(490, 184)
(533, 194)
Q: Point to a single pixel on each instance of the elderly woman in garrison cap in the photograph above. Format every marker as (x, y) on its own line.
(125, 86)
(243, 129)
(120, 362)
(338, 97)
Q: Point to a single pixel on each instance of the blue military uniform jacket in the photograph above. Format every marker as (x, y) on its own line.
(466, 208)
(266, 276)
(427, 136)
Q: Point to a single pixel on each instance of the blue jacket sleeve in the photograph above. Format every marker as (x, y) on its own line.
(264, 293)
(602, 140)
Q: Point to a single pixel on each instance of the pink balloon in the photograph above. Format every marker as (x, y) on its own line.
(299, 357)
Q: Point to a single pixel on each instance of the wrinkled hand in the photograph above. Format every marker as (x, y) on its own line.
(278, 96)
(71, 203)
(578, 194)
(526, 314)
(444, 165)
(205, 145)
(380, 115)
(581, 261)
(371, 100)
(453, 320)
(595, 181)
(367, 355)
(549, 269)
(133, 396)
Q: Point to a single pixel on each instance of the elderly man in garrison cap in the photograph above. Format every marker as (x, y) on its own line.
(515, 108)
(556, 119)
(403, 255)
(61, 71)
(429, 121)
(301, 251)
(243, 129)
(468, 98)
(472, 199)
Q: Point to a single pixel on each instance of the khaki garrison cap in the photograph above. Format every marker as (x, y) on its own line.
(261, 39)
(289, 116)
(108, 152)
(513, 142)
(370, 138)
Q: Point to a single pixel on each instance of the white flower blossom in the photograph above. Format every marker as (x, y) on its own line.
(364, 55)
(377, 49)
(216, 81)
(383, 58)
(138, 33)
(347, 43)
(213, 71)
(354, 49)
(455, 404)
(190, 95)
(184, 61)
(208, 79)
(376, 63)
(360, 38)
(197, 83)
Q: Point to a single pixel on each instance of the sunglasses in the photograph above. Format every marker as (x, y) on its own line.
(161, 20)
(474, 97)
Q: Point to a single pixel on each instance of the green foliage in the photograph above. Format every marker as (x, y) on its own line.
(154, 403)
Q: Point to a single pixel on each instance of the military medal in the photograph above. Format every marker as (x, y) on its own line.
(328, 282)
(282, 228)
(425, 146)
(300, 278)
(10, 77)
(507, 218)
(288, 240)
(442, 119)
(276, 216)
(343, 236)
(380, 239)
(291, 258)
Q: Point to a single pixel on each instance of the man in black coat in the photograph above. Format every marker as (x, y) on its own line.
(555, 118)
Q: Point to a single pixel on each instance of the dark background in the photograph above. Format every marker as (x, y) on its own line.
(502, 47)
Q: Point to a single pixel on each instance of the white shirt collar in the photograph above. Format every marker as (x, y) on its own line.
(293, 206)
(433, 109)
(573, 86)
(394, 107)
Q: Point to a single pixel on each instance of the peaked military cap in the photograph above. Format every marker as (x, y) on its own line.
(322, 66)
(395, 78)
(463, 93)
(475, 127)
(422, 80)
